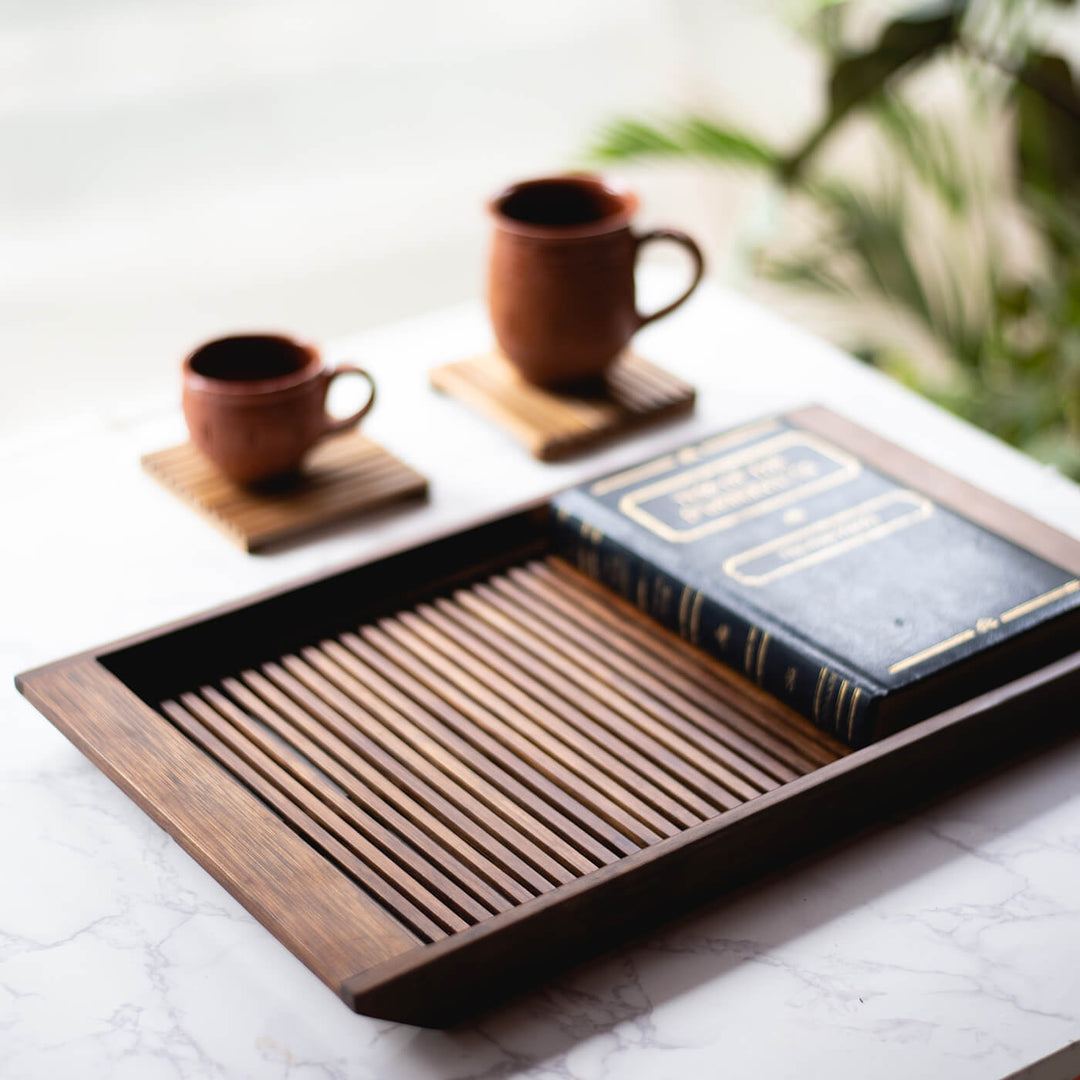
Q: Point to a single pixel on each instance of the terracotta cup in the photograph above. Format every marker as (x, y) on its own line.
(256, 403)
(561, 281)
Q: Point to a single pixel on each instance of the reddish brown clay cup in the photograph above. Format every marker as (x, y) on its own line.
(256, 403)
(561, 281)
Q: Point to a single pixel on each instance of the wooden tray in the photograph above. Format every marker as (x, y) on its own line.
(553, 425)
(343, 476)
(441, 775)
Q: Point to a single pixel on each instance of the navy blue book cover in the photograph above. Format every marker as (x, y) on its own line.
(827, 582)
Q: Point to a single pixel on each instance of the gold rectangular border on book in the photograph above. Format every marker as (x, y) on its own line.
(630, 503)
(942, 486)
(919, 509)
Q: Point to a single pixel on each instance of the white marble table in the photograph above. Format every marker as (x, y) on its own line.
(942, 944)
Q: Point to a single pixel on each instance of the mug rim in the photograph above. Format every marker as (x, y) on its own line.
(247, 388)
(613, 222)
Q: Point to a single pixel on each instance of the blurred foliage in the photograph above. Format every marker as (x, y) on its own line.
(1007, 328)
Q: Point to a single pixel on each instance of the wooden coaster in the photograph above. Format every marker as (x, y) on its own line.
(343, 476)
(557, 424)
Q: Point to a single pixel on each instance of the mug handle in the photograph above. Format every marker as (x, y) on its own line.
(699, 268)
(336, 427)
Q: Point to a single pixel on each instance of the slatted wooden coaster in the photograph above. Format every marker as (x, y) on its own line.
(342, 477)
(554, 424)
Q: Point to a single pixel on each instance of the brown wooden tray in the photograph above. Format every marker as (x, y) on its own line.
(443, 774)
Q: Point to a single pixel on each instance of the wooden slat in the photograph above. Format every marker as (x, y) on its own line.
(462, 846)
(705, 750)
(587, 755)
(366, 838)
(669, 797)
(755, 764)
(343, 476)
(702, 773)
(384, 750)
(491, 772)
(393, 833)
(553, 769)
(415, 744)
(646, 659)
(716, 678)
(546, 667)
(556, 424)
(296, 816)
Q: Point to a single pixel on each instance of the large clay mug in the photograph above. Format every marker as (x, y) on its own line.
(561, 281)
(256, 403)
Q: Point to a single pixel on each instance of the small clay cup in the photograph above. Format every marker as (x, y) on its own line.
(561, 276)
(256, 403)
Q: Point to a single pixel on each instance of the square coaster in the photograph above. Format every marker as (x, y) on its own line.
(343, 476)
(555, 424)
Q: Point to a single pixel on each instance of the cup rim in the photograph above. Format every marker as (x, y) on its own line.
(247, 388)
(611, 223)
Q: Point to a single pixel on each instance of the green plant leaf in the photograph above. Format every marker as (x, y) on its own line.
(709, 139)
(928, 146)
(689, 136)
(630, 139)
(859, 76)
(805, 272)
(1048, 124)
(908, 39)
(873, 228)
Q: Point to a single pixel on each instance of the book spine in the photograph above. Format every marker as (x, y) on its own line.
(837, 701)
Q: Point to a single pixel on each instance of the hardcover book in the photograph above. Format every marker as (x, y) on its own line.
(864, 587)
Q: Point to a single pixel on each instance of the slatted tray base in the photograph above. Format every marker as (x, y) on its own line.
(470, 754)
(342, 477)
(554, 425)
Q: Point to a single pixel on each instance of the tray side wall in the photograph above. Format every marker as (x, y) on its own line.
(317, 912)
(350, 942)
(590, 916)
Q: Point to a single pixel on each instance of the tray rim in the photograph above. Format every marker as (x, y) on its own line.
(981, 728)
(386, 988)
(532, 508)
(374, 989)
(173, 757)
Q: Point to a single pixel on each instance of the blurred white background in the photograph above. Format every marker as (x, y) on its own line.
(175, 169)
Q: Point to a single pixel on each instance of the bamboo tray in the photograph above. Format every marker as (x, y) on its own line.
(441, 775)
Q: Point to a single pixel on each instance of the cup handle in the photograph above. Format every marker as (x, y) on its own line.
(699, 268)
(336, 427)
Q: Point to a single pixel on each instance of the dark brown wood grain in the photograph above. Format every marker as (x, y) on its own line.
(336, 930)
(556, 424)
(501, 957)
(442, 774)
